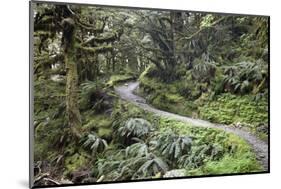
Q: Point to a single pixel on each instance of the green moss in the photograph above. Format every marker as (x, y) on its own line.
(97, 121)
(228, 108)
(124, 110)
(240, 159)
(234, 150)
(101, 124)
(105, 132)
(117, 79)
(75, 162)
(165, 96)
(238, 156)
(245, 163)
(185, 97)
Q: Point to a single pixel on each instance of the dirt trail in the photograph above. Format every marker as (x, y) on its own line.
(260, 147)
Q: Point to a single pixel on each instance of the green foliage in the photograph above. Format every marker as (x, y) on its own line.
(88, 91)
(135, 167)
(95, 143)
(75, 162)
(207, 20)
(99, 124)
(215, 70)
(152, 166)
(173, 146)
(117, 79)
(96, 122)
(246, 163)
(240, 159)
(245, 77)
(210, 147)
(169, 97)
(203, 70)
(135, 127)
(228, 108)
(122, 113)
(139, 149)
(49, 112)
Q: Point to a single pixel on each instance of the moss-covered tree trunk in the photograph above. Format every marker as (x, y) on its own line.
(72, 106)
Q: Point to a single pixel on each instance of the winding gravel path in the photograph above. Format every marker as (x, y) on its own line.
(260, 147)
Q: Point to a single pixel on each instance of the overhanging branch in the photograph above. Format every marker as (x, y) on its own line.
(203, 29)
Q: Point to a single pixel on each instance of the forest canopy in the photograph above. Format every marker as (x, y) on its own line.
(123, 94)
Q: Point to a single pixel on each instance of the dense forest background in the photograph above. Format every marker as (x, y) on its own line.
(206, 66)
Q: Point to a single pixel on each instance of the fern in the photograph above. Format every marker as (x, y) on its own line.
(244, 76)
(135, 127)
(200, 154)
(173, 146)
(137, 149)
(151, 166)
(135, 162)
(95, 143)
(203, 69)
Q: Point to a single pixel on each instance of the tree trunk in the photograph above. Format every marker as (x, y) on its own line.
(72, 107)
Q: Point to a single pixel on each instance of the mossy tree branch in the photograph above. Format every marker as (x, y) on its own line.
(204, 28)
(109, 39)
(94, 50)
(90, 27)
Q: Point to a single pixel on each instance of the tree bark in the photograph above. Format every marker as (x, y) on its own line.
(72, 107)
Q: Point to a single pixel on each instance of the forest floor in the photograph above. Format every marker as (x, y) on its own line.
(127, 92)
